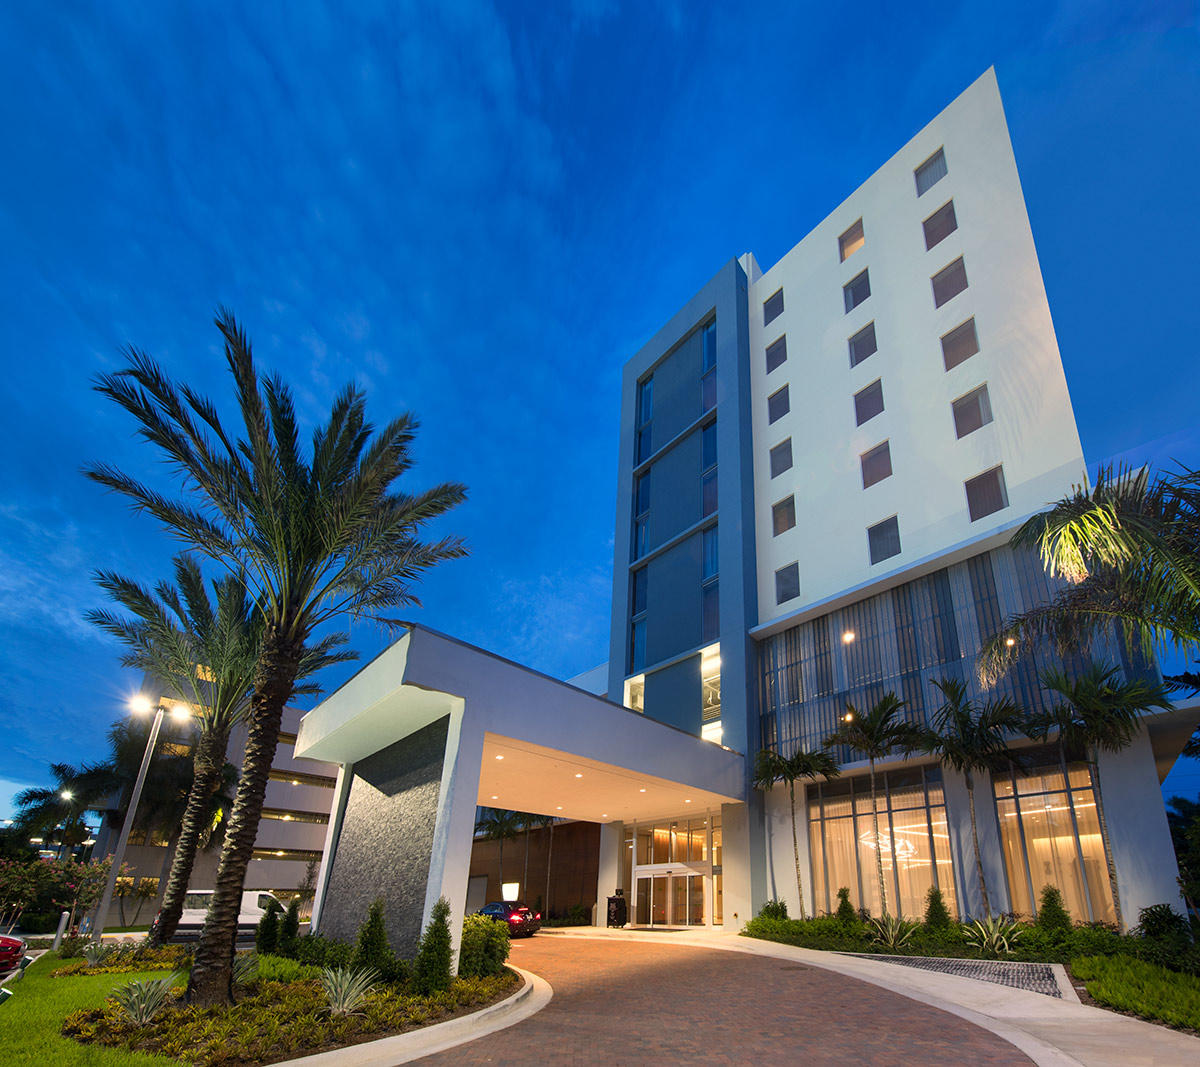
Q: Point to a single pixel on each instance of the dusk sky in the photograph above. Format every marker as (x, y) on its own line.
(478, 213)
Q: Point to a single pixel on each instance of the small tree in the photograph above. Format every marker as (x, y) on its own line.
(266, 935)
(937, 915)
(1052, 915)
(845, 910)
(289, 931)
(434, 965)
(372, 949)
(484, 947)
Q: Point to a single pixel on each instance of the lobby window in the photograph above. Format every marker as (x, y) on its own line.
(710, 712)
(940, 225)
(641, 515)
(772, 307)
(863, 344)
(787, 583)
(708, 477)
(783, 516)
(645, 406)
(1050, 834)
(883, 540)
(776, 353)
(929, 173)
(960, 344)
(868, 402)
(876, 464)
(986, 493)
(949, 282)
(851, 241)
(781, 458)
(856, 290)
(913, 841)
(778, 405)
(972, 411)
(708, 368)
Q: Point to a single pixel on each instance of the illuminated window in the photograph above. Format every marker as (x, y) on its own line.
(783, 516)
(851, 241)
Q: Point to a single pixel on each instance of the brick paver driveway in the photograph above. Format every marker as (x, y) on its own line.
(629, 1002)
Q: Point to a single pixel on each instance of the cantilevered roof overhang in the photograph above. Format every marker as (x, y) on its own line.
(543, 745)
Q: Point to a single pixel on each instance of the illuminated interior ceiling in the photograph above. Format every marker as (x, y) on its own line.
(548, 782)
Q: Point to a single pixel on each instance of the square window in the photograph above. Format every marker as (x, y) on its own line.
(868, 402)
(781, 458)
(949, 282)
(940, 225)
(711, 553)
(772, 307)
(863, 344)
(710, 612)
(851, 241)
(708, 493)
(787, 583)
(883, 540)
(876, 464)
(778, 405)
(972, 411)
(929, 173)
(986, 493)
(960, 344)
(639, 592)
(855, 291)
(783, 516)
(708, 446)
(776, 353)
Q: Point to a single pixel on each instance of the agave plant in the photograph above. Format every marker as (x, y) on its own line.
(347, 987)
(245, 967)
(141, 1001)
(96, 954)
(994, 936)
(892, 932)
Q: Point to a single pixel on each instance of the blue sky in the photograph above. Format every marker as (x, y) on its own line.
(478, 212)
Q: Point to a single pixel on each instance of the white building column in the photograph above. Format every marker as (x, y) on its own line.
(608, 878)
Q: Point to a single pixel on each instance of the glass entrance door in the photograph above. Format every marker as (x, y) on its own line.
(670, 899)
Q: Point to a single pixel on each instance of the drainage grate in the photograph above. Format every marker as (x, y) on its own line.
(1031, 977)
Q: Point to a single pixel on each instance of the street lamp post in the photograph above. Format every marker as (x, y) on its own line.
(143, 705)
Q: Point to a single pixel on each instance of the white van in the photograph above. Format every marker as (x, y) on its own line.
(195, 910)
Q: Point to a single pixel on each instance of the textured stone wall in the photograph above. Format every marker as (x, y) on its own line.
(386, 841)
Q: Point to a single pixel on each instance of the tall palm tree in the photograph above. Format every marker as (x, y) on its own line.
(875, 735)
(40, 809)
(314, 536)
(770, 767)
(205, 651)
(496, 824)
(546, 822)
(1129, 548)
(1098, 712)
(973, 739)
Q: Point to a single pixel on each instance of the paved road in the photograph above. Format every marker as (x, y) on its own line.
(627, 1002)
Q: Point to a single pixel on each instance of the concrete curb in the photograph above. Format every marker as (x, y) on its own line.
(531, 998)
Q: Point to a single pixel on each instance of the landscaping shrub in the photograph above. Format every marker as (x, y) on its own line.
(283, 969)
(139, 1002)
(1052, 916)
(71, 947)
(484, 947)
(40, 923)
(266, 934)
(994, 936)
(323, 951)
(845, 910)
(432, 969)
(347, 987)
(1150, 991)
(937, 915)
(371, 950)
(892, 932)
(1161, 922)
(774, 909)
(289, 930)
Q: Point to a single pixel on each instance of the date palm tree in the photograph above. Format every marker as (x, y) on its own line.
(1129, 548)
(315, 535)
(496, 824)
(876, 734)
(1100, 711)
(205, 652)
(770, 767)
(973, 739)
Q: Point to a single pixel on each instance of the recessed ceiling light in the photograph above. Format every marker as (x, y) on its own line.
(641, 790)
(687, 801)
(559, 808)
(604, 816)
(499, 757)
(848, 637)
(579, 776)
(494, 797)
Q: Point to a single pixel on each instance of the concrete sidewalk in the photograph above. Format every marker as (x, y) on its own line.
(1050, 1031)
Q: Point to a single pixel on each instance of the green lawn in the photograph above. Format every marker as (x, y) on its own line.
(31, 1020)
(1146, 989)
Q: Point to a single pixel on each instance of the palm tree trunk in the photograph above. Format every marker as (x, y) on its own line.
(525, 883)
(878, 844)
(208, 762)
(501, 868)
(211, 982)
(549, 856)
(1108, 856)
(987, 904)
(796, 850)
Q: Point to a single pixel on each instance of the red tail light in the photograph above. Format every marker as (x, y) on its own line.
(538, 915)
(515, 919)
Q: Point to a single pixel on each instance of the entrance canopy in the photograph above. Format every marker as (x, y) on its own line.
(432, 727)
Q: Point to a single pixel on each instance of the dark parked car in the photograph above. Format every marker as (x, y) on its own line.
(12, 951)
(521, 921)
